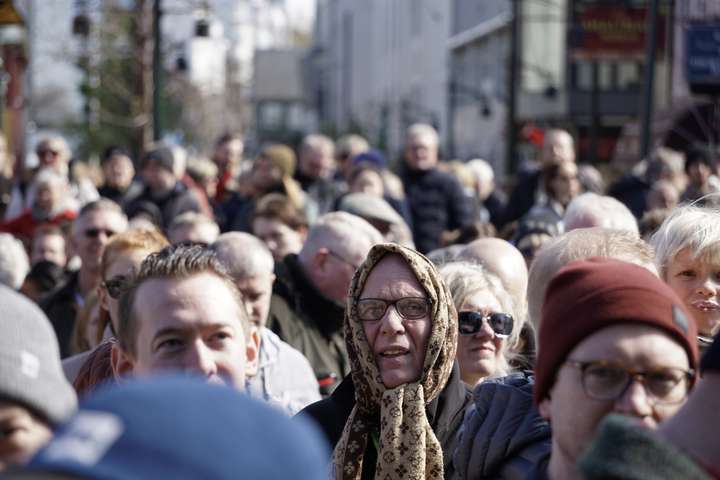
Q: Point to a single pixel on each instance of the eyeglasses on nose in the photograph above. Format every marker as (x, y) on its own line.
(115, 286)
(409, 308)
(470, 323)
(95, 232)
(608, 381)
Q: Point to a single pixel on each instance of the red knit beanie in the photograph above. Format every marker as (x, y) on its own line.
(589, 295)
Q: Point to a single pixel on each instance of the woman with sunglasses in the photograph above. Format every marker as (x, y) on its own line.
(487, 322)
(121, 259)
(398, 413)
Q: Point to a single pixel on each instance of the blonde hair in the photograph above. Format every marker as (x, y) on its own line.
(464, 280)
(690, 226)
(134, 239)
(577, 245)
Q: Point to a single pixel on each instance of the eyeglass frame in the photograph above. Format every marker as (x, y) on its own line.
(486, 318)
(342, 259)
(689, 376)
(427, 301)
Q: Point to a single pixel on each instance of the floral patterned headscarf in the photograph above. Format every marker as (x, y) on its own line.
(407, 445)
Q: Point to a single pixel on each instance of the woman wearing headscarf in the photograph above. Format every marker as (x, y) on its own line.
(398, 412)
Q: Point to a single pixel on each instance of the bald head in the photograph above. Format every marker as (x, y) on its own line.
(559, 147)
(502, 259)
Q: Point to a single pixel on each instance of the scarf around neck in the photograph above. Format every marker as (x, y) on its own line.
(407, 445)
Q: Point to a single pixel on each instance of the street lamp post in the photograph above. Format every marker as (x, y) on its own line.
(157, 70)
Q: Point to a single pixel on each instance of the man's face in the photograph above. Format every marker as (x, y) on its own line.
(574, 416)
(421, 152)
(228, 154)
(398, 344)
(279, 238)
(193, 325)
(118, 171)
(21, 435)
(316, 162)
(50, 248)
(257, 293)
(334, 271)
(51, 155)
(697, 283)
(92, 232)
(48, 196)
(558, 148)
(157, 178)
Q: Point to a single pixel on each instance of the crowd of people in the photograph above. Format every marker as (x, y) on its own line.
(320, 311)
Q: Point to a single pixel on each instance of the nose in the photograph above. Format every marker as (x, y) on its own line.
(199, 359)
(635, 401)
(708, 287)
(485, 331)
(391, 323)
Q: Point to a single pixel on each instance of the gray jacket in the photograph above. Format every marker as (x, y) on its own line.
(284, 377)
(503, 435)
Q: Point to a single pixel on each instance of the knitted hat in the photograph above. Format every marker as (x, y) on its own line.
(374, 158)
(30, 369)
(162, 155)
(181, 428)
(282, 157)
(589, 295)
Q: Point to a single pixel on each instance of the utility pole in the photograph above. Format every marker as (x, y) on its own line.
(157, 70)
(511, 148)
(651, 45)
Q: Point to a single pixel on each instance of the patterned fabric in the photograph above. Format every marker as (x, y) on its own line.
(407, 445)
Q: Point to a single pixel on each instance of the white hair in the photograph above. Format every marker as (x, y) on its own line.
(422, 130)
(689, 226)
(341, 232)
(593, 210)
(481, 169)
(318, 142)
(14, 262)
(243, 255)
(190, 220)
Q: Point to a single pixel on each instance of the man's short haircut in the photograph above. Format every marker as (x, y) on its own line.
(176, 262)
(341, 232)
(276, 206)
(243, 255)
(99, 205)
(422, 130)
(192, 219)
(689, 226)
(317, 142)
(228, 137)
(114, 151)
(577, 245)
(14, 262)
(140, 239)
(593, 210)
(350, 144)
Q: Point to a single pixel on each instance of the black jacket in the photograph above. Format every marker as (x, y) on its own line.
(61, 307)
(122, 197)
(437, 203)
(164, 210)
(633, 192)
(444, 413)
(309, 322)
(522, 197)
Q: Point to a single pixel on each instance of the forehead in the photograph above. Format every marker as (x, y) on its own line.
(265, 225)
(392, 277)
(481, 300)
(707, 258)
(125, 261)
(257, 283)
(101, 218)
(421, 140)
(636, 345)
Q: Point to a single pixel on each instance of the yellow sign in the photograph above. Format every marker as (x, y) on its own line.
(8, 14)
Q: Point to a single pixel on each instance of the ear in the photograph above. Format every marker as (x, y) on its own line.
(102, 297)
(320, 258)
(122, 363)
(544, 408)
(303, 231)
(252, 352)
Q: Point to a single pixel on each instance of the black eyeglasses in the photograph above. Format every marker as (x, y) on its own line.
(95, 232)
(470, 323)
(410, 308)
(608, 381)
(116, 286)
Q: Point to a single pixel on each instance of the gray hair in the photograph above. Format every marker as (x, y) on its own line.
(689, 226)
(243, 255)
(317, 141)
(422, 130)
(593, 210)
(100, 205)
(340, 232)
(466, 279)
(192, 219)
(14, 262)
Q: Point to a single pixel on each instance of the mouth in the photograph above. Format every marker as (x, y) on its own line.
(483, 348)
(394, 352)
(706, 306)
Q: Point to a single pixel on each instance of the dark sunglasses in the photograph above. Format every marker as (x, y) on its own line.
(95, 232)
(115, 286)
(471, 322)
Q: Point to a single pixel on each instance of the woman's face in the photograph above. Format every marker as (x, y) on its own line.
(398, 343)
(279, 238)
(368, 181)
(481, 353)
(697, 284)
(122, 268)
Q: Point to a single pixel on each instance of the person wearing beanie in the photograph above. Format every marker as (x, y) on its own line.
(34, 394)
(182, 429)
(164, 196)
(613, 338)
(685, 446)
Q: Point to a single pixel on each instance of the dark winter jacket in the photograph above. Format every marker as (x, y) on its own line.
(625, 450)
(445, 414)
(165, 209)
(522, 197)
(632, 191)
(122, 197)
(437, 204)
(503, 435)
(309, 322)
(61, 307)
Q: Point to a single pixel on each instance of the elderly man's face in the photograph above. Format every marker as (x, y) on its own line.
(92, 232)
(52, 155)
(23, 434)
(398, 343)
(257, 293)
(193, 325)
(575, 414)
(421, 152)
(316, 162)
(558, 148)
